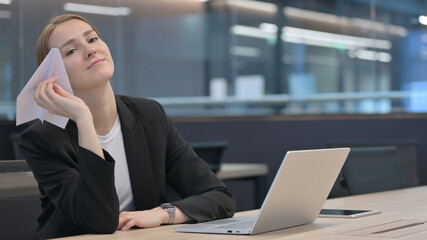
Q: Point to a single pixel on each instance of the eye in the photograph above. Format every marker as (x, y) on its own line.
(70, 52)
(93, 40)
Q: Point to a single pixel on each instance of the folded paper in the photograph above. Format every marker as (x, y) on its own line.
(26, 107)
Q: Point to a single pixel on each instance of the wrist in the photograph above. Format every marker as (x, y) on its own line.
(164, 215)
(171, 212)
(84, 117)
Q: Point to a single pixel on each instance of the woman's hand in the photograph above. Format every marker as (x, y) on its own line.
(149, 218)
(143, 219)
(56, 100)
(53, 98)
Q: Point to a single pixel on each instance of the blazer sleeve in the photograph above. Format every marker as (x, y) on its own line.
(79, 183)
(205, 197)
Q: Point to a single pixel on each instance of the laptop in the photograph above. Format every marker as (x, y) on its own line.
(296, 196)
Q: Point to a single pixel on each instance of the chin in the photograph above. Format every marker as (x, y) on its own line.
(106, 74)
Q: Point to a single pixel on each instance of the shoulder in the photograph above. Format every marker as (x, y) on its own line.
(43, 137)
(142, 109)
(140, 103)
(45, 128)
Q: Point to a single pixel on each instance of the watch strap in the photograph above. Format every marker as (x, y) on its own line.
(168, 207)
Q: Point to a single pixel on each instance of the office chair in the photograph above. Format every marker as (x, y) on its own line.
(19, 202)
(373, 169)
(406, 152)
(211, 152)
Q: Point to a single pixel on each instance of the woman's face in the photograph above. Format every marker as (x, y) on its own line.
(86, 57)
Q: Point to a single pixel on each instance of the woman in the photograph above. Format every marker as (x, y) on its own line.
(107, 169)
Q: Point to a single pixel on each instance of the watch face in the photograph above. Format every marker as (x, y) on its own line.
(167, 206)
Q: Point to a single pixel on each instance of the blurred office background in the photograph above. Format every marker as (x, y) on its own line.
(264, 76)
(242, 57)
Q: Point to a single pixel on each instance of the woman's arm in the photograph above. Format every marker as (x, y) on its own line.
(77, 181)
(56, 100)
(204, 196)
(149, 218)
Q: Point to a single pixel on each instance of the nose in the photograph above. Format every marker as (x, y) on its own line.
(90, 51)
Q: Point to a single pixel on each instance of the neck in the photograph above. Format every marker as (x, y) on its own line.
(102, 104)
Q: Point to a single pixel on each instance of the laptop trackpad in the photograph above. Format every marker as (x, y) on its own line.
(227, 223)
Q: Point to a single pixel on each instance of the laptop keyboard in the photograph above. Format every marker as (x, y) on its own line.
(237, 225)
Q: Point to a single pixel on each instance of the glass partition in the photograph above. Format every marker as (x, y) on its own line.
(242, 57)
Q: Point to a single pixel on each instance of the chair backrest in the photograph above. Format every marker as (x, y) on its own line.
(211, 152)
(406, 152)
(373, 169)
(14, 166)
(19, 201)
(19, 217)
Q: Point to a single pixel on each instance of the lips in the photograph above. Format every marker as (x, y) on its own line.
(95, 63)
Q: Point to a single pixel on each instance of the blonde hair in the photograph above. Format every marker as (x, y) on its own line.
(42, 48)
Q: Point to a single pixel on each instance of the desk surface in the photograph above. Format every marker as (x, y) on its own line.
(409, 204)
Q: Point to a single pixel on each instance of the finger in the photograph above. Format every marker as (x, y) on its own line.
(59, 90)
(123, 219)
(51, 96)
(122, 222)
(43, 84)
(128, 225)
(54, 79)
(50, 91)
(38, 91)
(41, 87)
(40, 96)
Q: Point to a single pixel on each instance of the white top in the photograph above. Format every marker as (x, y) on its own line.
(113, 144)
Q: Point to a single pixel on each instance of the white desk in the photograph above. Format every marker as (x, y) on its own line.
(395, 205)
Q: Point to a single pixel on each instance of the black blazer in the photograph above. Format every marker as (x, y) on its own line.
(77, 186)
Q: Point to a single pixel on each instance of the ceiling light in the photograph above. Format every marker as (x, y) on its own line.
(6, 2)
(254, 5)
(422, 19)
(245, 51)
(268, 27)
(95, 9)
(251, 32)
(345, 41)
(344, 21)
(370, 55)
(314, 15)
(311, 37)
(380, 27)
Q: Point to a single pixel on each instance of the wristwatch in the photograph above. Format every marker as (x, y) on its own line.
(171, 211)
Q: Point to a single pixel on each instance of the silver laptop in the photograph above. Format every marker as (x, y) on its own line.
(295, 197)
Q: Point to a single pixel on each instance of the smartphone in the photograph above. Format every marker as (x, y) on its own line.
(346, 213)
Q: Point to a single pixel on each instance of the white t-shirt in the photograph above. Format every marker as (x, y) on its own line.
(113, 144)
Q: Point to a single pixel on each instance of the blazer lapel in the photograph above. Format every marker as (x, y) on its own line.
(138, 158)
